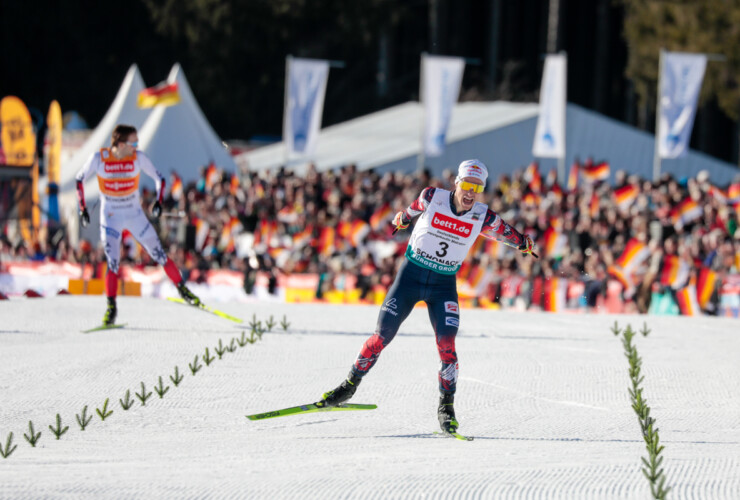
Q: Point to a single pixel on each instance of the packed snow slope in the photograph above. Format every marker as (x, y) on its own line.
(544, 395)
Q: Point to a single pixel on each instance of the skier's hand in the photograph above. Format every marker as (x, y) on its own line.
(400, 221)
(527, 246)
(157, 209)
(84, 217)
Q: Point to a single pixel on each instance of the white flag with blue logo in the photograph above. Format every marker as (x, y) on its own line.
(304, 104)
(441, 80)
(549, 136)
(680, 83)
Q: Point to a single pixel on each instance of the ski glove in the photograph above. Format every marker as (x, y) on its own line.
(400, 221)
(84, 217)
(157, 209)
(527, 245)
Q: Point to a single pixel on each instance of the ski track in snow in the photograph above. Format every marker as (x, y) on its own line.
(544, 395)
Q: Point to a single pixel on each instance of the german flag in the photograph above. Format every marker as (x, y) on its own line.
(357, 233)
(686, 211)
(705, 286)
(573, 177)
(634, 253)
(675, 272)
(625, 197)
(164, 94)
(554, 243)
(176, 189)
(380, 216)
(733, 192)
(555, 294)
(599, 172)
(687, 304)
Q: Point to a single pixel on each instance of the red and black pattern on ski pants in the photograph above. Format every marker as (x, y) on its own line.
(413, 284)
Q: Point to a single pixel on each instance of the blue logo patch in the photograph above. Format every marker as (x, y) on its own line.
(112, 232)
(450, 321)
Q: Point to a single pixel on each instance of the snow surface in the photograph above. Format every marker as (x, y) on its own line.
(545, 396)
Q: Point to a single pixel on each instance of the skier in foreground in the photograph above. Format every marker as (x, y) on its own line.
(448, 225)
(118, 169)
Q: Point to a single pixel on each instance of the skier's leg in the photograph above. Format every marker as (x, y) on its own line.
(444, 314)
(400, 300)
(145, 234)
(110, 236)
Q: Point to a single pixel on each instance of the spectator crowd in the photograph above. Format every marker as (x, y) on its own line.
(675, 238)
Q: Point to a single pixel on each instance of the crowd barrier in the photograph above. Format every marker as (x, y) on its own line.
(552, 295)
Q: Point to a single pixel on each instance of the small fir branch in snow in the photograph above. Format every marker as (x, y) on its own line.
(615, 329)
(220, 349)
(177, 378)
(232, 346)
(126, 402)
(104, 413)
(243, 340)
(194, 367)
(161, 389)
(254, 324)
(59, 430)
(645, 330)
(270, 323)
(252, 337)
(284, 323)
(144, 395)
(34, 436)
(84, 419)
(207, 358)
(9, 447)
(651, 469)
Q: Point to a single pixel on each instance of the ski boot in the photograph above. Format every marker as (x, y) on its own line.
(446, 413)
(187, 295)
(342, 393)
(109, 317)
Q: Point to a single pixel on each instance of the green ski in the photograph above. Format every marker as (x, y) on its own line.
(454, 435)
(103, 327)
(207, 309)
(310, 408)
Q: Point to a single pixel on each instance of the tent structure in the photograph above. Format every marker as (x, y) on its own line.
(499, 133)
(179, 138)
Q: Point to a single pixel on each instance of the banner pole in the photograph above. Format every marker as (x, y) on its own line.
(421, 156)
(656, 153)
(286, 153)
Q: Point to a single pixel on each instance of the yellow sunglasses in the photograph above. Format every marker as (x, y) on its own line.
(467, 186)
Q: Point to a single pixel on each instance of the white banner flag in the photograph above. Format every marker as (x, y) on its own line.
(680, 83)
(441, 80)
(304, 104)
(549, 136)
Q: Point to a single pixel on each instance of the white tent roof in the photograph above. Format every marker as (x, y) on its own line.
(179, 138)
(390, 135)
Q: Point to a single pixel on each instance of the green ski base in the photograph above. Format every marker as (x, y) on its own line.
(103, 327)
(204, 307)
(454, 435)
(310, 408)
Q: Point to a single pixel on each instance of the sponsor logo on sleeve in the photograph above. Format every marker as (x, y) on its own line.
(451, 307)
(451, 321)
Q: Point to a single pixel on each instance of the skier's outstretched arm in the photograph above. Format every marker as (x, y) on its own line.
(403, 218)
(495, 228)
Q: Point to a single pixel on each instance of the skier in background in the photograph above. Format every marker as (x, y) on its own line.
(118, 169)
(448, 225)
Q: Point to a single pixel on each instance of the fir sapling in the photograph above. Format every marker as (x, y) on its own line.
(9, 447)
(126, 402)
(83, 419)
(161, 389)
(207, 358)
(144, 395)
(284, 323)
(104, 413)
(59, 430)
(220, 349)
(32, 437)
(194, 366)
(177, 378)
